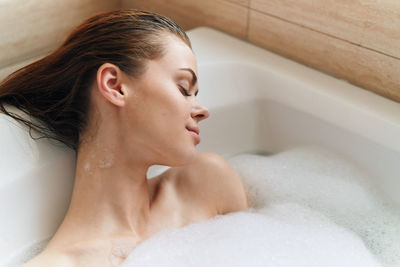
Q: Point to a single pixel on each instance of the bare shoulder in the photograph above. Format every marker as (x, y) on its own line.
(210, 180)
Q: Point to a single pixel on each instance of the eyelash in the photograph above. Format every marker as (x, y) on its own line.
(185, 92)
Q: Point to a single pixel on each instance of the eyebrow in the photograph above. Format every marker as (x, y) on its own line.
(194, 77)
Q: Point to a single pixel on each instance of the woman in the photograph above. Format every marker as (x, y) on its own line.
(121, 91)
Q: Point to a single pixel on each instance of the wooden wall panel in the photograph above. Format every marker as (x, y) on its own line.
(241, 2)
(355, 40)
(369, 23)
(32, 28)
(218, 14)
(358, 65)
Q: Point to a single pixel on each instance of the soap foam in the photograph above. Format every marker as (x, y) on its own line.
(107, 161)
(327, 183)
(282, 235)
(310, 207)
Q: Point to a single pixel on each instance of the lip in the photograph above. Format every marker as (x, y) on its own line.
(195, 133)
(194, 129)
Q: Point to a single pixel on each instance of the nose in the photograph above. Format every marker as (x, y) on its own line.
(199, 112)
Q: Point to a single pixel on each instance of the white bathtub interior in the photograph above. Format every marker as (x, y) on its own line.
(259, 103)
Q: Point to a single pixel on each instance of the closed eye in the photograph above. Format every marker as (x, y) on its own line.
(184, 91)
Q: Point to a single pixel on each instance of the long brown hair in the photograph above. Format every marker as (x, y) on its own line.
(55, 89)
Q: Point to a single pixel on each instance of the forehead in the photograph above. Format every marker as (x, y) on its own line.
(177, 54)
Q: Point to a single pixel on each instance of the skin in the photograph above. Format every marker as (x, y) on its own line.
(133, 124)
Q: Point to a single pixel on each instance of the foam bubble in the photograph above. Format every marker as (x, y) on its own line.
(107, 161)
(282, 235)
(311, 207)
(87, 167)
(327, 183)
(118, 254)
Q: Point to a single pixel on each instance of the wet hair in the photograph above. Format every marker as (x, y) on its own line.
(54, 90)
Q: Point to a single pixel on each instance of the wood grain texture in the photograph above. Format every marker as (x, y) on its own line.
(360, 66)
(373, 24)
(33, 28)
(245, 3)
(355, 40)
(218, 14)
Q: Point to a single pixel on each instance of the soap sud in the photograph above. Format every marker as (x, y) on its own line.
(330, 184)
(310, 207)
(107, 161)
(87, 167)
(118, 255)
(283, 235)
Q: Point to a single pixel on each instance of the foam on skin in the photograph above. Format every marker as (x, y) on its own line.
(282, 235)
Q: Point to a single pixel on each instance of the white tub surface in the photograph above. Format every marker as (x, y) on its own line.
(259, 102)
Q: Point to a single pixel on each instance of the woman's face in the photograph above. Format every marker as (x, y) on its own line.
(162, 107)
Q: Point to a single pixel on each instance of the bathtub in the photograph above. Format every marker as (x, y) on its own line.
(259, 103)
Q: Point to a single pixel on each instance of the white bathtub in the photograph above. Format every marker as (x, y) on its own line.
(259, 102)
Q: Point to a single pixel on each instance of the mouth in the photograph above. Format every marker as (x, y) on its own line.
(195, 133)
(193, 129)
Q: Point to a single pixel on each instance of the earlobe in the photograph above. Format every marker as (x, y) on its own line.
(109, 84)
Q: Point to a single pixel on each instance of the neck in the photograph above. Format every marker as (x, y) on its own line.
(111, 196)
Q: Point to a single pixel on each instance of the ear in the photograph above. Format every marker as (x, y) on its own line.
(109, 83)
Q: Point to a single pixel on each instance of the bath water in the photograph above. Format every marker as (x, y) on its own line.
(309, 207)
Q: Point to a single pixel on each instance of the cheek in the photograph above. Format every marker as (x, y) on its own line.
(171, 106)
(158, 118)
(173, 118)
(164, 115)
